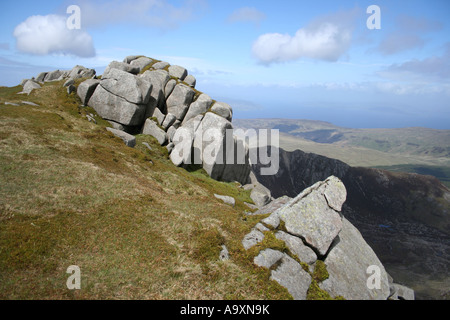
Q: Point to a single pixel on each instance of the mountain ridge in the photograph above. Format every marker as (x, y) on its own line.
(239, 122)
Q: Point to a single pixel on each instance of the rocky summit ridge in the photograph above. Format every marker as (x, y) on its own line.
(309, 247)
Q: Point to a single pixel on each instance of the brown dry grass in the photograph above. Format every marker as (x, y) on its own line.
(73, 194)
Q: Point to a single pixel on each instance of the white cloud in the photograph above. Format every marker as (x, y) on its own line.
(432, 69)
(327, 38)
(247, 14)
(417, 24)
(398, 42)
(383, 87)
(408, 34)
(43, 35)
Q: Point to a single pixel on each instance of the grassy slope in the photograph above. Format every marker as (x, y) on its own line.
(137, 226)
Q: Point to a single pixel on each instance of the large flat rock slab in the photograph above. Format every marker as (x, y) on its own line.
(351, 265)
(311, 217)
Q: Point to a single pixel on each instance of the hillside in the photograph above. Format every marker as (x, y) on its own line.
(138, 226)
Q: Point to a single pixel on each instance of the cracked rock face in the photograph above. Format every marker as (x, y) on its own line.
(179, 100)
(315, 230)
(127, 86)
(86, 89)
(312, 222)
(312, 215)
(115, 108)
(297, 247)
(348, 263)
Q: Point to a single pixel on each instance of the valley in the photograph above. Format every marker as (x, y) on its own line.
(415, 150)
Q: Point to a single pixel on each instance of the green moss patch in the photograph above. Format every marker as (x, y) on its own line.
(320, 271)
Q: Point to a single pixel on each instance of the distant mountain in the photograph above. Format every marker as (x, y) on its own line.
(404, 217)
(360, 147)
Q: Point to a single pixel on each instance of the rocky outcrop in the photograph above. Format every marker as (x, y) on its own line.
(297, 247)
(157, 102)
(190, 80)
(178, 72)
(260, 195)
(179, 100)
(121, 97)
(313, 230)
(348, 264)
(252, 238)
(272, 206)
(79, 72)
(40, 77)
(152, 128)
(211, 144)
(183, 140)
(314, 214)
(127, 86)
(141, 63)
(53, 76)
(116, 108)
(199, 106)
(121, 66)
(403, 217)
(57, 75)
(29, 86)
(86, 89)
(222, 109)
(161, 100)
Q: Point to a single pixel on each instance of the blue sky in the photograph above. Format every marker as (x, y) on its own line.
(267, 59)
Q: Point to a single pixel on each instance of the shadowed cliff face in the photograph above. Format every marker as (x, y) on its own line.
(404, 217)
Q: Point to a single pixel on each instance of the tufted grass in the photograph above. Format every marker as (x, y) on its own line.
(137, 226)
